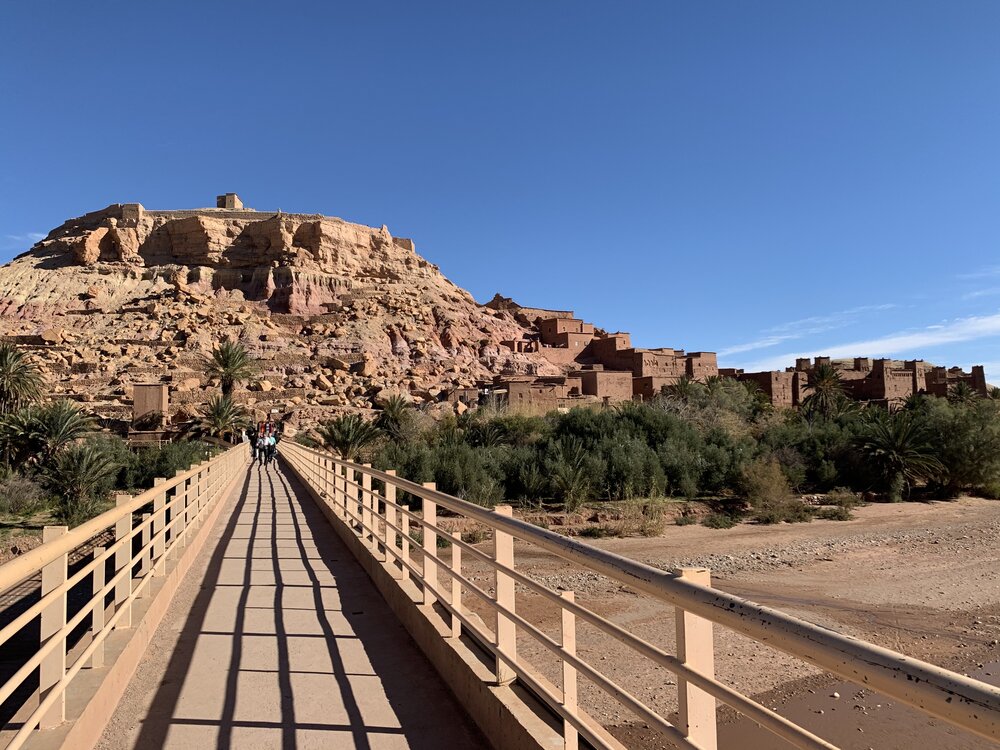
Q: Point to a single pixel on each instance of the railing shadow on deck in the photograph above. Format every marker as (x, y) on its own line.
(401, 670)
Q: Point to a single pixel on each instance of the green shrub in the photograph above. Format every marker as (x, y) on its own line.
(788, 511)
(764, 483)
(835, 513)
(81, 477)
(642, 517)
(571, 469)
(138, 469)
(20, 496)
(597, 532)
(990, 491)
(687, 516)
(842, 498)
(476, 536)
(719, 521)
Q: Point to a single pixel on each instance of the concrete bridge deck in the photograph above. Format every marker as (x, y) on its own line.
(278, 640)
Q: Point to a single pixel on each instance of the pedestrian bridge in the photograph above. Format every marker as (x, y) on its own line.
(319, 603)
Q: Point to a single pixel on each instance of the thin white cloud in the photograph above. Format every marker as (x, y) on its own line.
(976, 294)
(982, 273)
(21, 241)
(952, 332)
(796, 329)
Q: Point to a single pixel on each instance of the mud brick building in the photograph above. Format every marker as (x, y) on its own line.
(604, 368)
(611, 370)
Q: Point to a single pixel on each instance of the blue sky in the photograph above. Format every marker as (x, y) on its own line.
(765, 179)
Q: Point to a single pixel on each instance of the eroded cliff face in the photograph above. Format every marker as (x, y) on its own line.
(342, 314)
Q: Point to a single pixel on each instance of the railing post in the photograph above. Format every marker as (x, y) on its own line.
(506, 634)
(391, 516)
(695, 648)
(123, 561)
(338, 489)
(353, 486)
(404, 544)
(179, 510)
(144, 536)
(456, 585)
(97, 613)
(53, 620)
(367, 517)
(159, 524)
(430, 577)
(571, 737)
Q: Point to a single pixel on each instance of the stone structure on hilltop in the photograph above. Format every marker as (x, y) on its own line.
(340, 316)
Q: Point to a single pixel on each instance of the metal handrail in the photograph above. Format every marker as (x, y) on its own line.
(957, 699)
(31, 562)
(187, 506)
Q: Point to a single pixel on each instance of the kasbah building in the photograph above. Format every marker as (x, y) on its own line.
(604, 369)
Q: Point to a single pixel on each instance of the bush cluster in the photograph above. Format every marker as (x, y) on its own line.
(53, 461)
(719, 440)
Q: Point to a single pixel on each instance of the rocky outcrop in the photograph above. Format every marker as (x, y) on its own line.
(338, 312)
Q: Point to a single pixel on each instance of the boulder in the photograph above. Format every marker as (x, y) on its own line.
(53, 336)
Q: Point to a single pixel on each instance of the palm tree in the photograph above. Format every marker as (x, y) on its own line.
(962, 393)
(36, 434)
(394, 415)
(17, 436)
(486, 435)
(914, 402)
(760, 402)
(900, 451)
(349, 435)
(231, 363)
(827, 397)
(80, 477)
(20, 381)
(569, 473)
(222, 416)
(683, 390)
(58, 424)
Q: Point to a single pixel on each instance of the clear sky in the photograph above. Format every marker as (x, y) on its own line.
(765, 179)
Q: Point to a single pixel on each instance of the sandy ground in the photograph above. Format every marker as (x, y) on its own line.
(923, 579)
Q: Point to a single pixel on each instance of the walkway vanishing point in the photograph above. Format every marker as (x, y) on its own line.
(318, 603)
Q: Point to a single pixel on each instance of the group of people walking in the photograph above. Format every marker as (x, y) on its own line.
(264, 443)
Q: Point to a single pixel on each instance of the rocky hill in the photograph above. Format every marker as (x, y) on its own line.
(340, 314)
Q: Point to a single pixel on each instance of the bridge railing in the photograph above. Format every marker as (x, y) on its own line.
(128, 547)
(368, 502)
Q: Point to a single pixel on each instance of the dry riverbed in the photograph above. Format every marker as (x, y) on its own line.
(920, 578)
